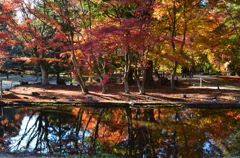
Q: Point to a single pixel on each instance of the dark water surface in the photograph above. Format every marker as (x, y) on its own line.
(121, 132)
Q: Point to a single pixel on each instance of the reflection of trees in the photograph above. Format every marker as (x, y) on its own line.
(9, 125)
(129, 132)
(7, 120)
(51, 131)
(232, 144)
(173, 133)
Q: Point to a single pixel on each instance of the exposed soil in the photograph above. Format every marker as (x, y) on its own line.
(115, 93)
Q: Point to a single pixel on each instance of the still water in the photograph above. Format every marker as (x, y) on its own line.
(121, 132)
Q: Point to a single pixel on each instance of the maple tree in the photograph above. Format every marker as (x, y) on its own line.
(127, 30)
(5, 36)
(38, 39)
(68, 20)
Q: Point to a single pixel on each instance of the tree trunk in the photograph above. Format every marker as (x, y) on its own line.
(173, 75)
(130, 77)
(174, 23)
(138, 81)
(79, 77)
(149, 74)
(58, 80)
(78, 74)
(100, 74)
(144, 82)
(126, 85)
(141, 85)
(104, 87)
(44, 74)
(80, 80)
(126, 72)
(159, 78)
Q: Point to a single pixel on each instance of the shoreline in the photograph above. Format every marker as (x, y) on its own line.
(120, 104)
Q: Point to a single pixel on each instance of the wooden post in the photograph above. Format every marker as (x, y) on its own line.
(201, 82)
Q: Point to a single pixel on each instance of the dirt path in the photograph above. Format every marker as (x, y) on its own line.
(213, 81)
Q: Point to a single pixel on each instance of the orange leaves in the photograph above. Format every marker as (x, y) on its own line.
(6, 40)
(12, 42)
(234, 115)
(7, 6)
(10, 6)
(35, 60)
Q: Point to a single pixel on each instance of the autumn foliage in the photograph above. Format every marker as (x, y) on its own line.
(104, 38)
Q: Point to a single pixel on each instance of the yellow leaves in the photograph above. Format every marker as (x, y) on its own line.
(12, 42)
(78, 53)
(97, 1)
(160, 10)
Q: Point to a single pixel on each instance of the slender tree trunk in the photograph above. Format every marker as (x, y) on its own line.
(173, 75)
(79, 76)
(100, 73)
(44, 74)
(141, 85)
(58, 79)
(149, 74)
(126, 85)
(144, 82)
(104, 87)
(126, 71)
(159, 77)
(130, 77)
(183, 42)
(138, 81)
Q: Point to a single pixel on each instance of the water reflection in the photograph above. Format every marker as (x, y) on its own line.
(160, 132)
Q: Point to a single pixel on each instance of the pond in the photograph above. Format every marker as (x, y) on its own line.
(121, 132)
